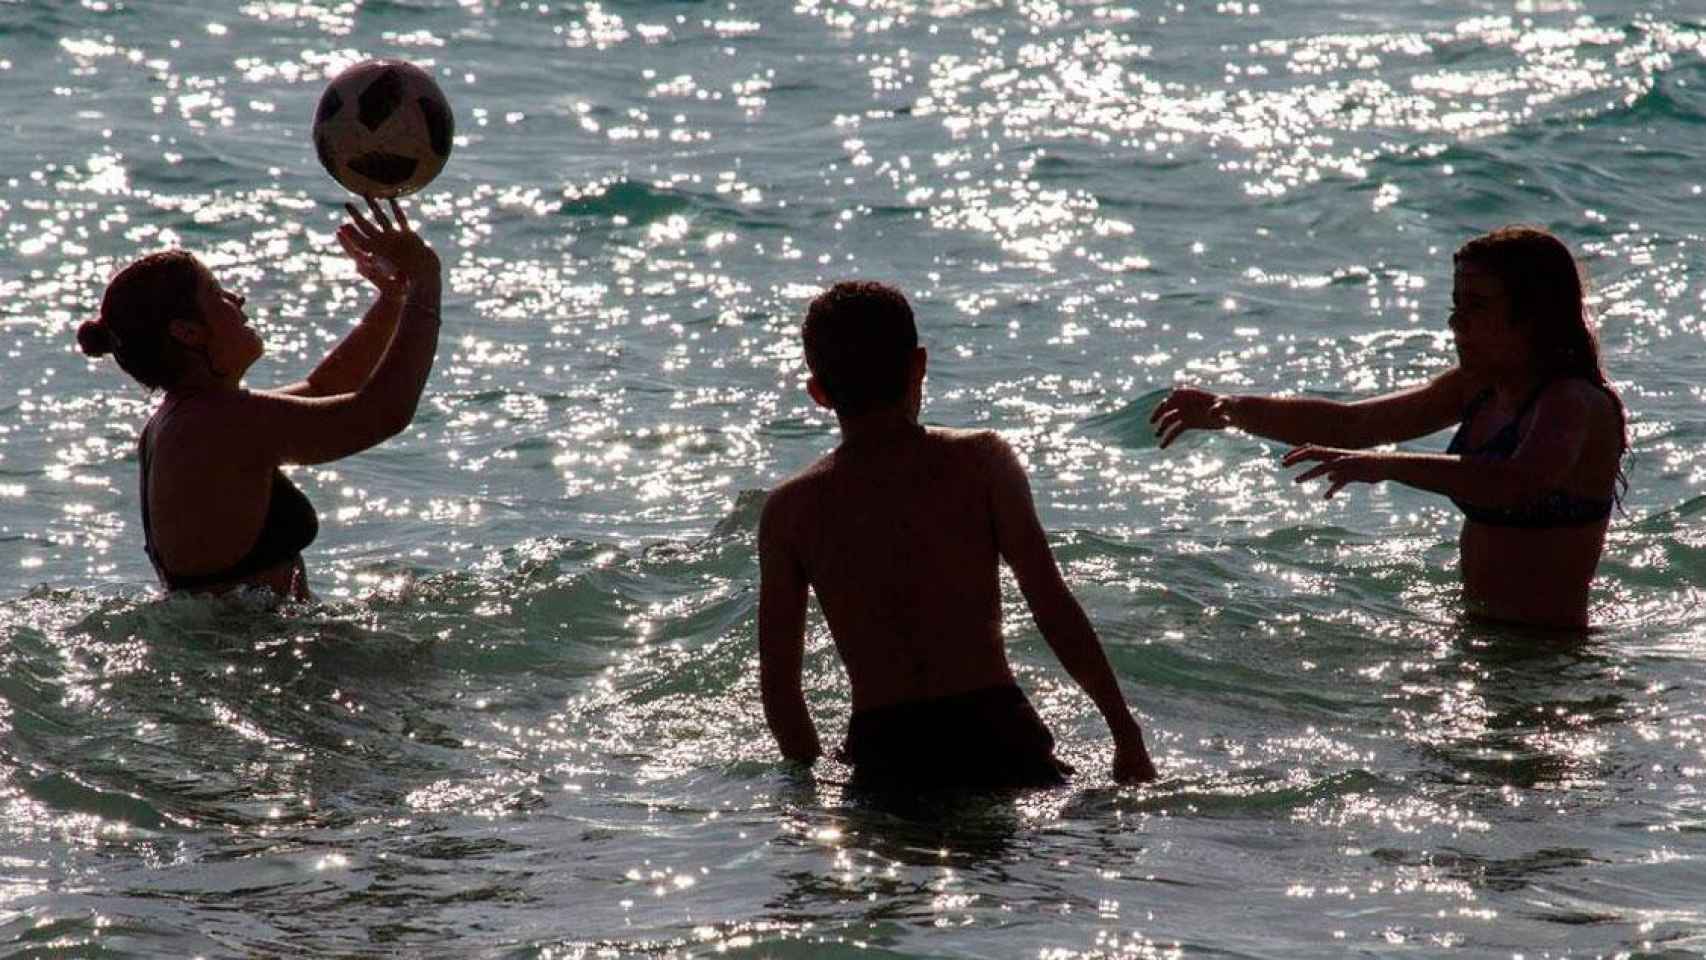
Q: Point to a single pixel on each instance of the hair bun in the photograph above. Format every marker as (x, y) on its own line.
(96, 338)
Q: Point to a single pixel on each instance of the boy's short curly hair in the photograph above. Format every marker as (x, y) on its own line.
(859, 339)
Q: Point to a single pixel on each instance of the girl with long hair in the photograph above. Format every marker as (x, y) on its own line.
(1535, 465)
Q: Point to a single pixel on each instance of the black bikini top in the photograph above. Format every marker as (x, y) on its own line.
(1555, 509)
(290, 525)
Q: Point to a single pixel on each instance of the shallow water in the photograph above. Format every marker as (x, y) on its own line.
(521, 721)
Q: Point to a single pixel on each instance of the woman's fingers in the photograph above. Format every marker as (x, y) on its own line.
(354, 244)
(1170, 430)
(360, 223)
(379, 216)
(397, 209)
(350, 240)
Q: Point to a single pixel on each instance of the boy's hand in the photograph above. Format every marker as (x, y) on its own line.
(1132, 763)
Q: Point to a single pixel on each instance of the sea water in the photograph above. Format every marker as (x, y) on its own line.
(521, 717)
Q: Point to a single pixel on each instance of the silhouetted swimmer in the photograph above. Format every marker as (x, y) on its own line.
(900, 532)
(1536, 462)
(217, 512)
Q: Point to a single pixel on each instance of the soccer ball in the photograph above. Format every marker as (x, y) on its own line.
(383, 128)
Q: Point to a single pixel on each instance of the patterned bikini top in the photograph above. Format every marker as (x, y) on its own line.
(1555, 509)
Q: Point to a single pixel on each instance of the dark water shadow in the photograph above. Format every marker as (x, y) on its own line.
(187, 713)
(895, 853)
(1511, 700)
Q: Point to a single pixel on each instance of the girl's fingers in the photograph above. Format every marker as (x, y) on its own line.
(397, 208)
(1320, 470)
(1298, 455)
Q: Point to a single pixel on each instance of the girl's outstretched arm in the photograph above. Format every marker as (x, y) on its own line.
(1542, 462)
(1390, 418)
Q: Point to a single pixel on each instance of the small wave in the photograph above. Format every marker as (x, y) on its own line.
(743, 518)
(636, 202)
(1258, 793)
(200, 170)
(1166, 667)
(1676, 96)
(1128, 425)
(62, 793)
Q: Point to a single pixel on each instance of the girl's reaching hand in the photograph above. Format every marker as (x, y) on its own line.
(1189, 408)
(1340, 467)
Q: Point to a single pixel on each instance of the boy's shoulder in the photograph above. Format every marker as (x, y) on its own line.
(979, 453)
(973, 443)
(983, 451)
(808, 475)
(960, 435)
(784, 499)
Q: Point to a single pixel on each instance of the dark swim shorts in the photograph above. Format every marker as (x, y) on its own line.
(984, 738)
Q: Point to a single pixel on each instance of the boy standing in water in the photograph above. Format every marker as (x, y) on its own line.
(900, 531)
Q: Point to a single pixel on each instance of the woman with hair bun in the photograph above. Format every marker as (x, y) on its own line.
(217, 513)
(1535, 466)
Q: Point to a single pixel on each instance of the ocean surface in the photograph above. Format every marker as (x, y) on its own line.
(521, 719)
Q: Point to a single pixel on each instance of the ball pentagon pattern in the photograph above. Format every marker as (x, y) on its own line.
(383, 128)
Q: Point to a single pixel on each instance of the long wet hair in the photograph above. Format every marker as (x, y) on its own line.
(136, 314)
(1548, 294)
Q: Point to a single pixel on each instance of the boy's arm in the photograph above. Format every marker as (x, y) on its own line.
(1020, 538)
(782, 588)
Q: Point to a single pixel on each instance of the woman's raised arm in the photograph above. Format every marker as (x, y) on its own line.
(312, 428)
(348, 365)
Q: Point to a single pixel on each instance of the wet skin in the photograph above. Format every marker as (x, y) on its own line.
(214, 445)
(901, 532)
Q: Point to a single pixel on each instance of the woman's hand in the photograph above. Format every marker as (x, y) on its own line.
(1340, 467)
(389, 254)
(1188, 408)
(378, 271)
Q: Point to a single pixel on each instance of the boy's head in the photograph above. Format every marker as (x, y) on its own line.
(860, 346)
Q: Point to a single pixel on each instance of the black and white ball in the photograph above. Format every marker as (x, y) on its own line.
(383, 128)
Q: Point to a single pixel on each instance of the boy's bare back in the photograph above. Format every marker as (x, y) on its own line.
(901, 532)
(899, 542)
